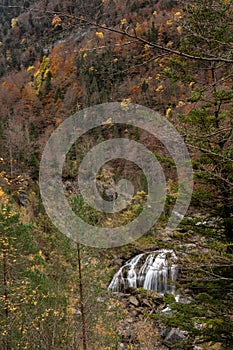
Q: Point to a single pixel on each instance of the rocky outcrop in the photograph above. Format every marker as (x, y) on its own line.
(138, 329)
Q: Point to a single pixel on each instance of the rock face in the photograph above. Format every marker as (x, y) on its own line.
(154, 271)
(137, 330)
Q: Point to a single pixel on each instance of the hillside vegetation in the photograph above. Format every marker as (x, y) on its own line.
(59, 57)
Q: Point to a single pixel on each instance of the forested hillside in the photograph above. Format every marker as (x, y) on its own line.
(58, 58)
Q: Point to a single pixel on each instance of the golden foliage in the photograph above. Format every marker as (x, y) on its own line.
(99, 35)
(179, 29)
(30, 68)
(169, 22)
(160, 88)
(14, 23)
(56, 22)
(41, 73)
(3, 198)
(123, 21)
(177, 15)
(168, 112)
(125, 102)
(180, 103)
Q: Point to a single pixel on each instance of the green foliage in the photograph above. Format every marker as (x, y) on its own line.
(85, 212)
(24, 299)
(100, 72)
(205, 318)
(152, 33)
(208, 125)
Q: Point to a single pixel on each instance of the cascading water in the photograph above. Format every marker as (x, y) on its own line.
(154, 271)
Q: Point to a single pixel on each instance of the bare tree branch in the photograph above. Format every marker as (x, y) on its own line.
(140, 64)
(210, 152)
(140, 39)
(157, 46)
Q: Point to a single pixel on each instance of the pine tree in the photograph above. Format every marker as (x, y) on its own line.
(207, 127)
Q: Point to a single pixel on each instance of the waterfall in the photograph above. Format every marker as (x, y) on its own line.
(154, 271)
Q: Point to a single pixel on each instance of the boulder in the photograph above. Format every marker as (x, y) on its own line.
(23, 198)
(147, 303)
(133, 300)
(174, 337)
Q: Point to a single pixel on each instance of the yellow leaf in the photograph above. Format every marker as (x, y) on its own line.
(180, 103)
(169, 22)
(179, 29)
(159, 88)
(108, 121)
(14, 22)
(168, 112)
(123, 21)
(177, 15)
(169, 44)
(167, 69)
(41, 254)
(99, 35)
(125, 102)
(29, 68)
(138, 27)
(56, 21)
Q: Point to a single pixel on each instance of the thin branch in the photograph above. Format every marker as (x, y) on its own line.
(217, 276)
(114, 45)
(215, 133)
(210, 152)
(219, 177)
(84, 333)
(140, 39)
(206, 266)
(140, 64)
(207, 39)
(157, 46)
(11, 6)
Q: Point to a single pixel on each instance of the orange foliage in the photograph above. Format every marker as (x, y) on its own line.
(57, 59)
(135, 90)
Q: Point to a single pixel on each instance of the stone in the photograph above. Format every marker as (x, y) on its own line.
(101, 299)
(23, 198)
(157, 298)
(146, 303)
(129, 320)
(118, 262)
(174, 337)
(165, 332)
(133, 300)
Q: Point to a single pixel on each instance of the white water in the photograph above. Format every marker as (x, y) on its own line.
(155, 271)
